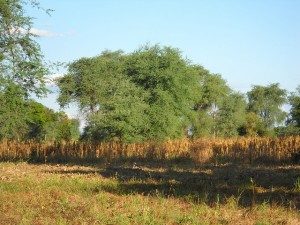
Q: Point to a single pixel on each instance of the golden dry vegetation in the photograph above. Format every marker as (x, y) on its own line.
(200, 150)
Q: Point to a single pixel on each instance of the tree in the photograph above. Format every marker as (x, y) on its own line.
(252, 126)
(22, 70)
(266, 102)
(293, 122)
(231, 115)
(12, 113)
(21, 60)
(213, 91)
(294, 100)
(147, 94)
(113, 104)
(29, 120)
(46, 125)
(39, 119)
(171, 88)
(65, 128)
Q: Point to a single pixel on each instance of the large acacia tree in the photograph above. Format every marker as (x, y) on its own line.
(147, 94)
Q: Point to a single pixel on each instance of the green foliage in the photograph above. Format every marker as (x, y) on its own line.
(294, 100)
(154, 93)
(65, 129)
(231, 115)
(171, 87)
(21, 60)
(12, 113)
(293, 121)
(45, 124)
(121, 116)
(22, 71)
(114, 105)
(253, 125)
(288, 130)
(148, 94)
(213, 89)
(220, 112)
(203, 124)
(38, 118)
(26, 119)
(266, 102)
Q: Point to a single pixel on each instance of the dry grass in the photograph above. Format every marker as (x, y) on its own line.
(147, 193)
(201, 150)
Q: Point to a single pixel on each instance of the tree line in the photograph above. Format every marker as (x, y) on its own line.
(153, 93)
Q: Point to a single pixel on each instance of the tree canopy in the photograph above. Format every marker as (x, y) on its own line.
(148, 94)
(294, 100)
(22, 73)
(154, 93)
(266, 102)
(21, 59)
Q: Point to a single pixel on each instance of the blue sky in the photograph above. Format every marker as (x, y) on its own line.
(247, 42)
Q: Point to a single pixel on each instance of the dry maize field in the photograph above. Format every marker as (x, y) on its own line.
(245, 150)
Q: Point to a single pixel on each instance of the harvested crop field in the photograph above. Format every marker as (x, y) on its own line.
(128, 192)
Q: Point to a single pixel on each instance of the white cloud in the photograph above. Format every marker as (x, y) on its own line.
(38, 32)
(43, 33)
(47, 33)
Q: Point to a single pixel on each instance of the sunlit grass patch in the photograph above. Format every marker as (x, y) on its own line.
(116, 194)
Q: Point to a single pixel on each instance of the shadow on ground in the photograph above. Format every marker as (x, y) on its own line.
(209, 183)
